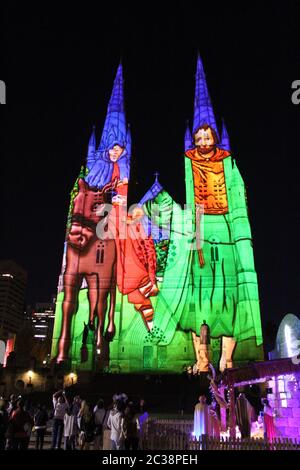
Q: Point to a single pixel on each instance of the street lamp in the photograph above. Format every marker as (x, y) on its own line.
(30, 374)
(72, 376)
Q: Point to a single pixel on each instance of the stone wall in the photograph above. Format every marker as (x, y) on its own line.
(285, 399)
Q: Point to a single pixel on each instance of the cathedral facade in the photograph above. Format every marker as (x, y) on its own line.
(136, 287)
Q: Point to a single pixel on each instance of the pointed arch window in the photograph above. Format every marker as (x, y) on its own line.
(214, 250)
(214, 253)
(100, 255)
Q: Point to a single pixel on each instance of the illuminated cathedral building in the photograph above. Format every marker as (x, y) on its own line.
(159, 287)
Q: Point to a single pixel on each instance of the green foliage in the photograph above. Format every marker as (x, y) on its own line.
(82, 174)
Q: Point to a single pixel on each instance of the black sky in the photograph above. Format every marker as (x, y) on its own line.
(59, 68)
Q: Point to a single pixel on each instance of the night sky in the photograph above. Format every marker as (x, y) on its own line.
(59, 68)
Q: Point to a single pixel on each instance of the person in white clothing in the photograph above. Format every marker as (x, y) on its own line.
(114, 424)
(60, 406)
(201, 418)
(71, 429)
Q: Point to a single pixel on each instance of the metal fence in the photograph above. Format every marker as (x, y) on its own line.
(177, 435)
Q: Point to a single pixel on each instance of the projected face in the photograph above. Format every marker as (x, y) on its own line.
(115, 153)
(204, 140)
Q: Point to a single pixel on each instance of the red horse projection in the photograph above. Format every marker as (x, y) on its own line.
(128, 259)
(90, 258)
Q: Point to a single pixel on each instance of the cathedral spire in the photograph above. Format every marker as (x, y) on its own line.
(188, 139)
(225, 143)
(114, 130)
(203, 110)
(155, 189)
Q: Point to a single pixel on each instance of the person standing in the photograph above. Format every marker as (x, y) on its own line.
(268, 420)
(201, 418)
(60, 406)
(3, 423)
(244, 414)
(87, 425)
(22, 423)
(70, 424)
(143, 417)
(40, 423)
(130, 429)
(114, 424)
(100, 417)
(12, 405)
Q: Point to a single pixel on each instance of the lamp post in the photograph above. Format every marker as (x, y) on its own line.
(30, 374)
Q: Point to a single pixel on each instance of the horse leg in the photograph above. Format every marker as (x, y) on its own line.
(111, 328)
(93, 286)
(101, 310)
(72, 283)
(98, 305)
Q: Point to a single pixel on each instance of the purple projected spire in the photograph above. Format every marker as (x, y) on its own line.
(116, 102)
(114, 130)
(225, 143)
(203, 110)
(114, 133)
(188, 139)
(155, 189)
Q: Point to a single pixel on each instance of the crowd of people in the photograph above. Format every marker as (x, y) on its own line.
(76, 423)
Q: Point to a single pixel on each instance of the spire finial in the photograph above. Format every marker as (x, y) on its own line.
(115, 123)
(188, 139)
(203, 110)
(225, 143)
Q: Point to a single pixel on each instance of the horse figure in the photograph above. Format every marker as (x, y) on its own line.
(92, 259)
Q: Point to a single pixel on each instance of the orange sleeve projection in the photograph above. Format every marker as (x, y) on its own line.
(136, 260)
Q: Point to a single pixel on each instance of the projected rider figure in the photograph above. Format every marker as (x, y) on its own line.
(128, 261)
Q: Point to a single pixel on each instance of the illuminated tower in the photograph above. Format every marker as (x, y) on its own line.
(224, 289)
(214, 280)
(85, 306)
(208, 279)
